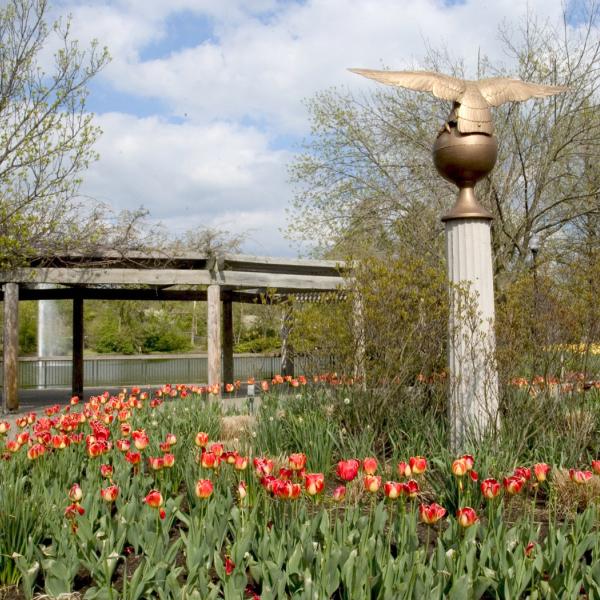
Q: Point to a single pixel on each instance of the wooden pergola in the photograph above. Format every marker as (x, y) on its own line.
(220, 280)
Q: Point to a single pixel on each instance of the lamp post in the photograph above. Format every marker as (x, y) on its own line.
(534, 247)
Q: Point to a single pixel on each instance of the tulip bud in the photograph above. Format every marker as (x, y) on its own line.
(75, 493)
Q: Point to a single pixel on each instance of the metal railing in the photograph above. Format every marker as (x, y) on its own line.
(101, 371)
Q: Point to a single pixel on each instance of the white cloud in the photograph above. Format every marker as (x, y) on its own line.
(188, 176)
(262, 69)
(263, 58)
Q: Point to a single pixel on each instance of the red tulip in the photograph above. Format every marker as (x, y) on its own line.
(209, 460)
(60, 442)
(156, 463)
(216, 449)
(513, 484)
(287, 473)
(154, 499)
(229, 564)
(411, 487)
(168, 460)
(123, 445)
(140, 439)
(201, 439)
(110, 493)
(170, 439)
(459, 467)
(282, 488)
(372, 483)
(204, 488)
(490, 488)
(241, 463)
(347, 470)
(418, 464)
(523, 472)
(35, 451)
(580, 477)
(229, 388)
(431, 513)
(4, 427)
(392, 489)
(370, 465)
(529, 549)
(314, 483)
(13, 446)
(596, 466)
(297, 461)
(263, 466)
(106, 471)
(229, 457)
(75, 493)
(541, 471)
(469, 461)
(133, 458)
(73, 510)
(404, 469)
(264, 386)
(339, 493)
(466, 517)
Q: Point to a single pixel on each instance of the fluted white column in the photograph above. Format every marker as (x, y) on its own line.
(471, 351)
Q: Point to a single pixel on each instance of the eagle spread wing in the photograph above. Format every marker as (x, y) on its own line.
(498, 90)
(441, 86)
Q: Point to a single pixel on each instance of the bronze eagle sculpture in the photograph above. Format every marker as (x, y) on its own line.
(472, 99)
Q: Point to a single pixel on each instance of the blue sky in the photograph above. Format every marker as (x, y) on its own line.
(202, 105)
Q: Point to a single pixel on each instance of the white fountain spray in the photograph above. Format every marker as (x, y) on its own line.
(50, 333)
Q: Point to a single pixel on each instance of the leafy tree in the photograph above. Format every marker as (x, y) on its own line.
(46, 135)
(366, 179)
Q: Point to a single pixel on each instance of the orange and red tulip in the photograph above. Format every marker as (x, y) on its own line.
(314, 483)
(490, 488)
(417, 464)
(466, 516)
(347, 470)
(372, 483)
(370, 465)
(204, 488)
(431, 513)
(541, 471)
(580, 477)
(393, 489)
(110, 493)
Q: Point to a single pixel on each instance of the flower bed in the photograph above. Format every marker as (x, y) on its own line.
(137, 496)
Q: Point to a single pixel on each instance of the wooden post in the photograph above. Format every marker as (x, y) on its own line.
(10, 396)
(228, 373)
(213, 297)
(287, 352)
(77, 370)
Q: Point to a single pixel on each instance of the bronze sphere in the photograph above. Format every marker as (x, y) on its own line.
(464, 160)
